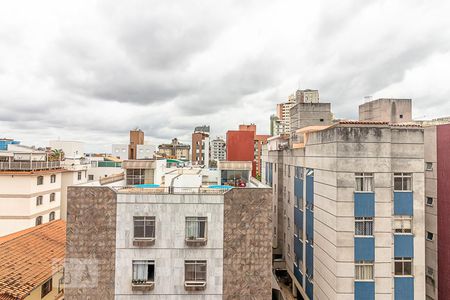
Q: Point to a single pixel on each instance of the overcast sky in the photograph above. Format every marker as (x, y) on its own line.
(92, 70)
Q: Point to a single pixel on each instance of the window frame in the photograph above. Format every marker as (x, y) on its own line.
(427, 203)
(51, 216)
(40, 218)
(365, 177)
(199, 220)
(39, 200)
(366, 228)
(402, 219)
(404, 176)
(196, 264)
(145, 219)
(52, 178)
(52, 197)
(40, 180)
(79, 175)
(428, 166)
(403, 261)
(364, 263)
(428, 233)
(46, 287)
(145, 262)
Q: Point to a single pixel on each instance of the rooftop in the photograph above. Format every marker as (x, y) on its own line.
(29, 257)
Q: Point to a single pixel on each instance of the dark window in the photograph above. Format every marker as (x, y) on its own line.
(402, 182)
(430, 201)
(430, 236)
(39, 200)
(51, 216)
(144, 227)
(79, 175)
(401, 116)
(321, 120)
(91, 177)
(196, 227)
(195, 270)
(39, 220)
(403, 266)
(40, 180)
(46, 288)
(53, 178)
(364, 226)
(52, 197)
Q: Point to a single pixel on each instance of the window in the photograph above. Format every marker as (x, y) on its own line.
(196, 228)
(144, 227)
(52, 197)
(51, 216)
(363, 270)
(40, 180)
(53, 178)
(39, 220)
(289, 197)
(79, 175)
(46, 288)
(401, 116)
(403, 224)
(90, 177)
(195, 271)
(321, 120)
(429, 201)
(143, 271)
(403, 266)
(402, 182)
(135, 176)
(364, 226)
(39, 200)
(364, 182)
(430, 236)
(429, 166)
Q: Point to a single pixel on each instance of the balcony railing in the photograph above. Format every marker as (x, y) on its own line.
(170, 190)
(29, 166)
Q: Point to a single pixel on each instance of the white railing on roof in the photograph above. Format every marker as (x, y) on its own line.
(170, 190)
(29, 166)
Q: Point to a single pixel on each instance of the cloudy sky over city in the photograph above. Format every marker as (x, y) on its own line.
(92, 70)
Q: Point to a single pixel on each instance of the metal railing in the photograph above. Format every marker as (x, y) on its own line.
(170, 190)
(29, 166)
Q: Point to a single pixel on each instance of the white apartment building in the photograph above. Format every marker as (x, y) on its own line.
(168, 239)
(283, 114)
(349, 205)
(218, 149)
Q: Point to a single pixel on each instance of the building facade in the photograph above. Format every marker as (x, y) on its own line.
(349, 204)
(175, 150)
(218, 149)
(200, 148)
(136, 138)
(386, 110)
(171, 241)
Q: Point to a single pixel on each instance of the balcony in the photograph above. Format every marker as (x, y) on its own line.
(29, 166)
(142, 286)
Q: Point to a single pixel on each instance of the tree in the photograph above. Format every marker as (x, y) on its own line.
(56, 155)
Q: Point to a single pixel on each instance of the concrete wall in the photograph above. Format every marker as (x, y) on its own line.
(120, 151)
(310, 114)
(386, 110)
(71, 149)
(169, 251)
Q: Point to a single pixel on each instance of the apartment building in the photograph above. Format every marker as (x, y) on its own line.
(31, 263)
(283, 115)
(307, 96)
(348, 199)
(175, 149)
(181, 239)
(200, 146)
(218, 149)
(136, 149)
(30, 189)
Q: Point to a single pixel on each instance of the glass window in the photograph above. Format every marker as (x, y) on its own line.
(39, 200)
(430, 236)
(46, 288)
(52, 197)
(40, 180)
(364, 226)
(364, 182)
(51, 216)
(143, 271)
(195, 270)
(79, 175)
(39, 220)
(196, 228)
(53, 178)
(363, 270)
(403, 266)
(402, 224)
(429, 166)
(402, 181)
(429, 201)
(144, 227)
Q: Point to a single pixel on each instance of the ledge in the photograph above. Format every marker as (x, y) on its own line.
(142, 287)
(195, 285)
(138, 242)
(196, 242)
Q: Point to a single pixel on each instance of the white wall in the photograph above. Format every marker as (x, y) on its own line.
(145, 151)
(120, 151)
(72, 149)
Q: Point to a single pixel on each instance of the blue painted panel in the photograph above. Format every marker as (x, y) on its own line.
(364, 204)
(309, 189)
(309, 259)
(298, 187)
(298, 248)
(403, 245)
(298, 275)
(364, 290)
(364, 248)
(309, 224)
(403, 203)
(309, 289)
(298, 218)
(404, 288)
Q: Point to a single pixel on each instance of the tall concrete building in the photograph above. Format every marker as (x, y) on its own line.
(348, 200)
(172, 241)
(283, 115)
(307, 96)
(386, 110)
(305, 114)
(218, 149)
(200, 146)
